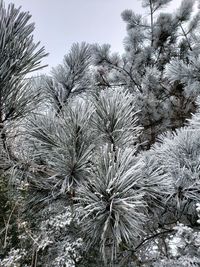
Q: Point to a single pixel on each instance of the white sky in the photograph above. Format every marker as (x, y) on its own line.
(59, 23)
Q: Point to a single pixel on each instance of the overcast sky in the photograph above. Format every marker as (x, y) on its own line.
(59, 23)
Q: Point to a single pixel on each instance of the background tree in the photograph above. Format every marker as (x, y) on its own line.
(152, 48)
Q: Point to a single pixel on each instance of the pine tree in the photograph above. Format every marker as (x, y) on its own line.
(159, 53)
(104, 173)
(19, 55)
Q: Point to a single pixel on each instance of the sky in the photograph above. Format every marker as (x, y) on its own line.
(60, 23)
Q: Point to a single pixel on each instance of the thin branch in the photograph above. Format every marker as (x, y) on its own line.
(185, 35)
(152, 30)
(152, 237)
(7, 225)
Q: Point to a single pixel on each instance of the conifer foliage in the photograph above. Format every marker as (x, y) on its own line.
(100, 161)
